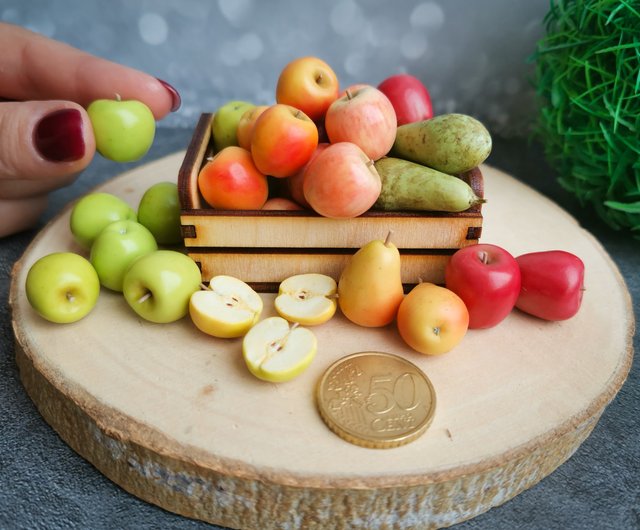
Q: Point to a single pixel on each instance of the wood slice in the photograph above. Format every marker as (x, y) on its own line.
(174, 417)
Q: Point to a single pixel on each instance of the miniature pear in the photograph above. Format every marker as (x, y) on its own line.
(370, 286)
(450, 143)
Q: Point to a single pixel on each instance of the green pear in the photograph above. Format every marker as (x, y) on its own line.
(370, 286)
(451, 143)
(410, 186)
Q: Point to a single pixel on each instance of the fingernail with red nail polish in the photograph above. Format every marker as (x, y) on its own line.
(176, 100)
(58, 136)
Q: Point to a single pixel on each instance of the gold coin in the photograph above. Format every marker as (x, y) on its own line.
(376, 399)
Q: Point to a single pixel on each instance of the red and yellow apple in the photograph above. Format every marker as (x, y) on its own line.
(364, 116)
(432, 319)
(283, 140)
(341, 182)
(308, 84)
(246, 123)
(230, 180)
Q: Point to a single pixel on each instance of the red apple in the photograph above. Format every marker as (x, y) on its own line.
(365, 117)
(308, 84)
(552, 284)
(341, 182)
(409, 97)
(230, 180)
(295, 182)
(283, 140)
(487, 278)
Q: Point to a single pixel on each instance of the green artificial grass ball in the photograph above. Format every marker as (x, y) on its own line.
(587, 77)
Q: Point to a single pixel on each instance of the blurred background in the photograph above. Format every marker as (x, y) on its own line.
(471, 55)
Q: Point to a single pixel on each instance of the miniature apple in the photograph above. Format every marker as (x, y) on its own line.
(124, 130)
(308, 84)
(224, 126)
(295, 183)
(552, 284)
(341, 182)
(230, 180)
(276, 352)
(309, 299)
(93, 212)
(432, 319)
(116, 248)
(227, 309)
(246, 123)
(410, 98)
(281, 203)
(283, 140)
(62, 287)
(159, 212)
(364, 116)
(487, 278)
(158, 286)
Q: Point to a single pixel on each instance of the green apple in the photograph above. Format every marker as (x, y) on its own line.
(116, 248)
(276, 352)
(62, 287)
(159, 211)
(224, 126)
(93, 212)
(124, 130)
(158, 286)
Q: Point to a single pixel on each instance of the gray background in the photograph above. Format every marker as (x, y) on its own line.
(472, 55)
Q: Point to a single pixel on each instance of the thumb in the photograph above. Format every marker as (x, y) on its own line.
(43, 146)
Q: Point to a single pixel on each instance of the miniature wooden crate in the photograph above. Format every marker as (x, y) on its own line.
(263, 247)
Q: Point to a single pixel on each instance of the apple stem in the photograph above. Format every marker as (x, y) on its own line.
(118, 97)
(144, 297)
(348, 94)
(70, 297)
(483, 256)
(387, 239)
(319, 79)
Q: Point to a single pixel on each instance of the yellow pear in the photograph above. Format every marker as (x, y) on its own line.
(370, 286)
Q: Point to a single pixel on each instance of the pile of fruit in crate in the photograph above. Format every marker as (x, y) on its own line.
(382, 148)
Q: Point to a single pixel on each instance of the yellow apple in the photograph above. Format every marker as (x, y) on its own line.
(309, 299)
(227, 309)
(277, 352)
(432, 319)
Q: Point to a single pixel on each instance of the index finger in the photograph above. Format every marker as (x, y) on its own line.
(33, 67)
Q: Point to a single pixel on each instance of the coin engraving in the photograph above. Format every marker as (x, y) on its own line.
(376, 399)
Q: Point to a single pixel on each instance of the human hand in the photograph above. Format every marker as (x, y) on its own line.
(46, 138)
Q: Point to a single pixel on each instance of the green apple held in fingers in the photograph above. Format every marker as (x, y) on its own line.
(124, 130)
(116, 248)
(450, 143)
(93, 212)
(62, 287)
(224, 126)
(159, 211)
(158, 286)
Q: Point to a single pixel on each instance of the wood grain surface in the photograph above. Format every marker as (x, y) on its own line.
(174, 417)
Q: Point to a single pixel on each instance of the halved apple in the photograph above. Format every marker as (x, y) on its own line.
(277, 352)
(309, 299)
(227, 309)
